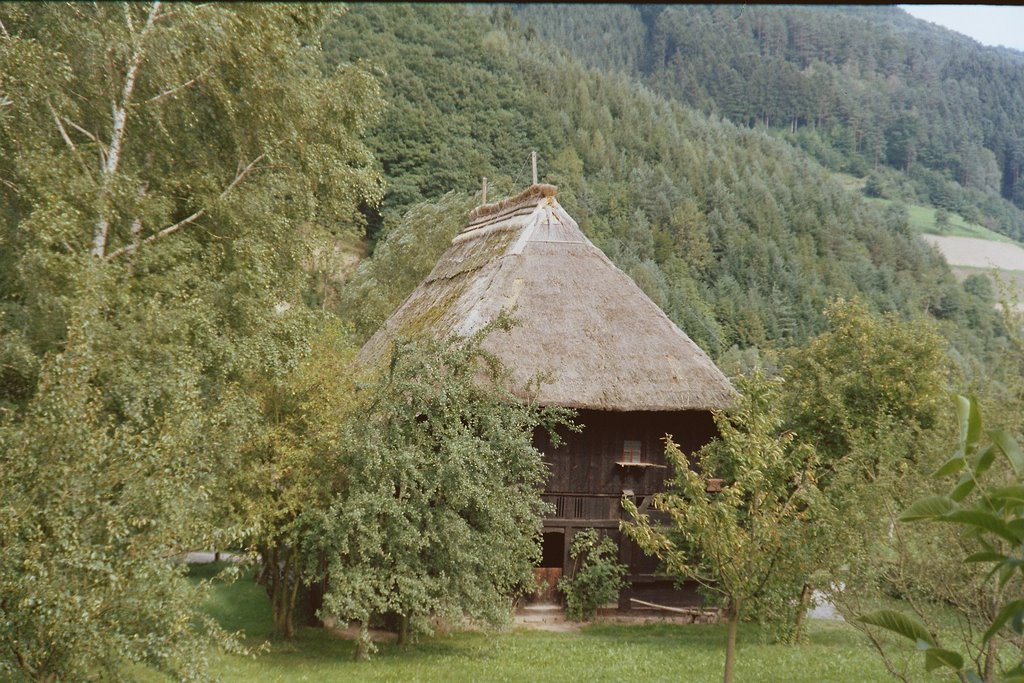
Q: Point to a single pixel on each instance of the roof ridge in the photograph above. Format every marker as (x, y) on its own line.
(533, 192)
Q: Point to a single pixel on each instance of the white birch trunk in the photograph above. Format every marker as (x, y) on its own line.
(120, 119)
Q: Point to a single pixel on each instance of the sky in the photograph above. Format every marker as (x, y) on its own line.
(988, 24)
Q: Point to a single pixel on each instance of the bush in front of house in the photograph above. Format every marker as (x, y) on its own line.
(597, 575)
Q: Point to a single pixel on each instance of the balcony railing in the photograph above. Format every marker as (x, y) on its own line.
(579, 506)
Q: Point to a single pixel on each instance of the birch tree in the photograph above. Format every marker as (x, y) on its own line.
(159, 165)
(175, 150)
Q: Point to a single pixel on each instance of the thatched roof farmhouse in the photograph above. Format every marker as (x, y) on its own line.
(605, 344)
(607, 349)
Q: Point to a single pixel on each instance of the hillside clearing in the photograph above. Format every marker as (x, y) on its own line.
(978, 253)
(924, 219)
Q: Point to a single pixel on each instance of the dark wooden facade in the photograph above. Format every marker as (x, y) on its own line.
(590, 472)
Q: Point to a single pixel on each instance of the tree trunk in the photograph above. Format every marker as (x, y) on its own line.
(801, 614)
(283, 592)
(364, 635)
(403, 630)
(113, 152)
(292, 598)
(730, 643)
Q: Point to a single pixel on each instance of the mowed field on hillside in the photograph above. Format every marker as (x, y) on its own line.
(969, 248)
(971, 256)
(972, 252)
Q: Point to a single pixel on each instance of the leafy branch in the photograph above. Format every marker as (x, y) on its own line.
(994, 522)
(171, 229)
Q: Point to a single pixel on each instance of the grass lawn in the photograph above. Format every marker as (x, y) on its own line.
(832, 652)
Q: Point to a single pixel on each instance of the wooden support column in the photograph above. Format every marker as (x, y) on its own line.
(626, 558)
(570, 532)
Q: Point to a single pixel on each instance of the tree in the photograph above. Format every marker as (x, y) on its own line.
(223, 138)
(745, 543)
(157, 164)
(867, 393)
(989, 519)
(293, 467)
(92, 529)
(404, 255)
(862, 375)
(441, 512)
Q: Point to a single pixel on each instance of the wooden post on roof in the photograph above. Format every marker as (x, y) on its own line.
(533, 162)
(483, 199)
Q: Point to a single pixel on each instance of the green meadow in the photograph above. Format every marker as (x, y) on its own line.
(832, 651)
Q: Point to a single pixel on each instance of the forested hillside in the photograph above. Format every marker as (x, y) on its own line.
(864, 89)
(739, 236)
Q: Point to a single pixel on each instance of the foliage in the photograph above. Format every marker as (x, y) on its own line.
(992, 525)
(93, 530)
(224, 138)
(456, 110)
(861, 377)
(157, 166)
(403, 257)
(596, 578)
(860, 89)
(866, 392)
(745, 544)
(440, 515)
(293, 466)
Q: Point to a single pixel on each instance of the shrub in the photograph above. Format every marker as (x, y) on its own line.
(597, 576)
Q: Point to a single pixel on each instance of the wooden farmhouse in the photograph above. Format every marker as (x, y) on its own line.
(610, 353)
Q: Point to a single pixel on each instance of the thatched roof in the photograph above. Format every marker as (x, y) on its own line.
(605, 345)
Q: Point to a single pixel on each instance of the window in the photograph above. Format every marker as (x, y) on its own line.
(632, 456)
(631, 451)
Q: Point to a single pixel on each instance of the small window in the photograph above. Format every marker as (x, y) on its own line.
(631, 451)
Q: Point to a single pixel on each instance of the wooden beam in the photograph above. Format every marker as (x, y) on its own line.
(678, 610)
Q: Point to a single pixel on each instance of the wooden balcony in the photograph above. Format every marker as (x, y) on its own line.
(584, 507)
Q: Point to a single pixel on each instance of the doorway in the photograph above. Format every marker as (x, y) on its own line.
(548, 573)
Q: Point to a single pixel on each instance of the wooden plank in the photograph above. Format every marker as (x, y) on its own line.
(678, 610)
